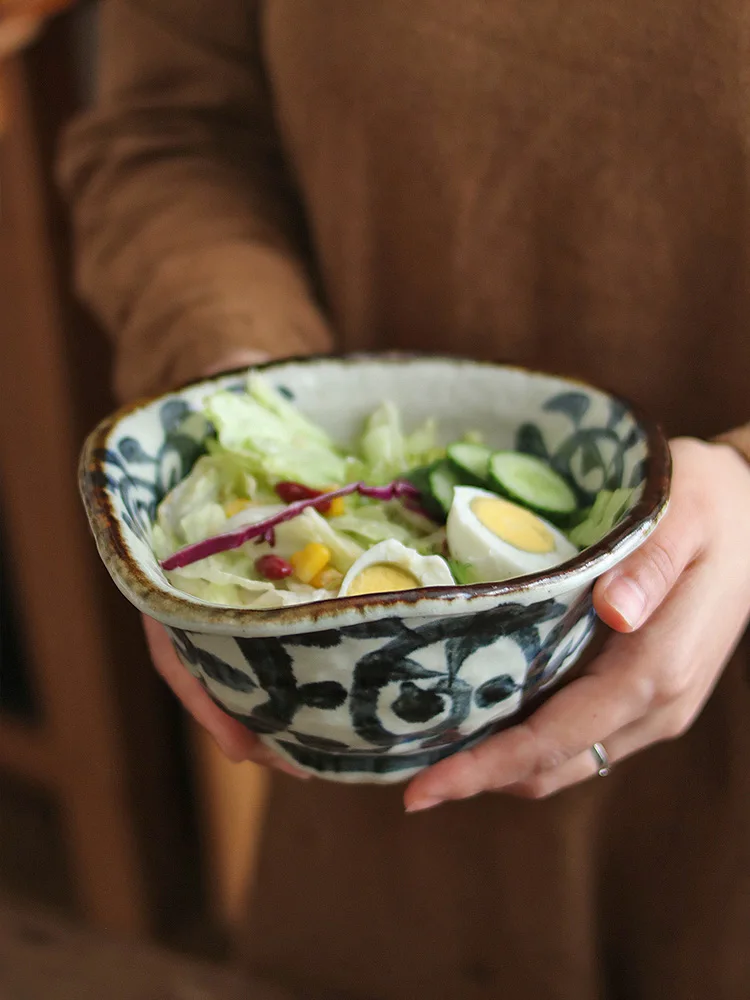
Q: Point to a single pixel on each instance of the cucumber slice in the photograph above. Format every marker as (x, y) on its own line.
(443, 480)
(472, 462)
(533, 483)
(420, 478)
(430, 494)
(463, 573)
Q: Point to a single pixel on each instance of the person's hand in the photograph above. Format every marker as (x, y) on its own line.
(679, 603)
(236, 742)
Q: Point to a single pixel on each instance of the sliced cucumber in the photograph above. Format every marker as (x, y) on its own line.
(533, 483)
(443, 480)
(463, 573)
(420, 478)
(435, 483)
(472, 462)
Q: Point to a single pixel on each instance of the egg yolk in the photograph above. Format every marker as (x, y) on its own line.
(381, 579)
(514, 525)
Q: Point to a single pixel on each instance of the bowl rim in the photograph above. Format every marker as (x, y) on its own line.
(172, 608)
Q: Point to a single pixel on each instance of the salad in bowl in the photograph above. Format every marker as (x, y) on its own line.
(276, 514)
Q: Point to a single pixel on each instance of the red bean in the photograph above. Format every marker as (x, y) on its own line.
(273, 567)
(291, 492)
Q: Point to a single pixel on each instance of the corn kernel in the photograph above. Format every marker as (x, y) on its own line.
(337, 508)
(308, 562)
(235, 506)
(328, 579)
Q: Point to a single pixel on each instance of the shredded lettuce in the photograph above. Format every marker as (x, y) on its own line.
(304, 592)
(209, 520)
(277, 448)
(422, 447)
(371, 529)
(310, 526)
(388, 452)
(464, 573)
(229, 577)
(201, 487)
(432, 544)
(607, 510)
(204, 590)
(383, 446)
(163, 543)
(215, 480)
(266, 396)
(238, 597)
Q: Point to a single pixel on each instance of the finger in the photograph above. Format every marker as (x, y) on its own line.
(601, 702)
(629, 594)
(581, 768)
(234, 740)
(667, 723)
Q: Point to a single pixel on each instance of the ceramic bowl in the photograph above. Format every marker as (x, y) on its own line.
(375, 688)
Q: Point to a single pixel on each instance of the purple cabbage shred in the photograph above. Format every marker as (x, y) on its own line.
(263, 531)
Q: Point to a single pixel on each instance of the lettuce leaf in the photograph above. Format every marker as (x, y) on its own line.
(310, 526)
(236, 596)
(388, 452)
(278, 448)
(607, 510)
(464, 573)
(215, 479)
(270, 399)
(373, 529)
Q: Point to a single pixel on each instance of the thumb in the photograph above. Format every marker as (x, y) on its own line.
(629, 594)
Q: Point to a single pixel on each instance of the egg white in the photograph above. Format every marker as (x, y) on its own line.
(490, 557)
(429, 571)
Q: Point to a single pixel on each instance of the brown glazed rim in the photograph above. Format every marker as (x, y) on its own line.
(172, 608)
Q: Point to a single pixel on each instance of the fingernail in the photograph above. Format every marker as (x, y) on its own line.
(627, 598)
(421, 804)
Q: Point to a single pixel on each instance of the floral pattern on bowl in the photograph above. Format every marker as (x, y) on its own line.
(375, 688)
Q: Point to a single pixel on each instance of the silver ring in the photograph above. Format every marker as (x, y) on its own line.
(603, 766)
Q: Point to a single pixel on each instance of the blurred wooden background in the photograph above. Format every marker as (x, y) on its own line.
(144, 828)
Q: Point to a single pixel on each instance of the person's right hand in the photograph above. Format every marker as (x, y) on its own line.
(236, 742)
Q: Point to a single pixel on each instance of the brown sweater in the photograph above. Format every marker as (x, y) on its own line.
(563, 185)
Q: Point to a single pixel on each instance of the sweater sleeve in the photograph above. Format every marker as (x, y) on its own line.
(190, 242)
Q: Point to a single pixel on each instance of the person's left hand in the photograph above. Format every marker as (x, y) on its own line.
(679, 604)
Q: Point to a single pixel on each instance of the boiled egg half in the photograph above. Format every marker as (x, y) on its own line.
(390, 566)
(500, 539)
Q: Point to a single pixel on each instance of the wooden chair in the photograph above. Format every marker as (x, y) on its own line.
(107, 745)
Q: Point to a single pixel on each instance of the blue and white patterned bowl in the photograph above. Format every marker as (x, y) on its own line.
(377, 687)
